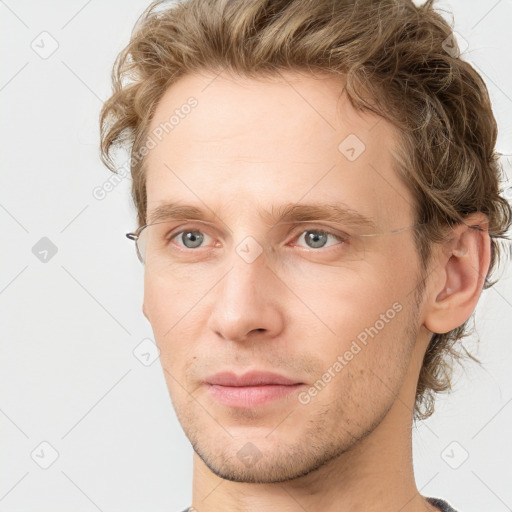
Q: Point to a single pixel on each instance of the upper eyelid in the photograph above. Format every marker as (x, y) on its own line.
(187, 222)
(313, 225)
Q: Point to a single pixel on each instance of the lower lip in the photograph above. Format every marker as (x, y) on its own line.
(250, 396)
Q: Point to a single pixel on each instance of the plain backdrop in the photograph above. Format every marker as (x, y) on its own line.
(84, 424)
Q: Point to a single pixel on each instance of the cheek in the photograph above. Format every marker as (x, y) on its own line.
(368, 358)
(349, 301)
(367, 318)
(171, 298)
(173, 318)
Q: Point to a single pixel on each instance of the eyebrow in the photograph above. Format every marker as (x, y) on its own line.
(290, 212)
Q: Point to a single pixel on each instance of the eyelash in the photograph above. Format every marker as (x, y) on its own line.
(342, 238)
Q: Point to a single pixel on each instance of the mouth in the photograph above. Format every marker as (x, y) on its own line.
(250, 389)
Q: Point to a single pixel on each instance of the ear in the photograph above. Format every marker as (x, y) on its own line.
(463, 262)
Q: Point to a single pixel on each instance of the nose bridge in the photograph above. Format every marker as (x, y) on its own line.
(245, 299)
(242, 286)
(247, 257)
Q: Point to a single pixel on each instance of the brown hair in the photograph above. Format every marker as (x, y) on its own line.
(396, 61)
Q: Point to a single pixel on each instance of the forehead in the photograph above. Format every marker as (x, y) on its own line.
(240, 143)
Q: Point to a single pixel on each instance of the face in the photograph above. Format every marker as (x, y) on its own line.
(245, 293)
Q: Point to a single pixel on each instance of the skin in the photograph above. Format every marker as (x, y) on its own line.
(249, 145)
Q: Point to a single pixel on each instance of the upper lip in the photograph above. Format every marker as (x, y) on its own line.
(253, 378)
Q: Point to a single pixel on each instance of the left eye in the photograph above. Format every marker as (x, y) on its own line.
(317, 239)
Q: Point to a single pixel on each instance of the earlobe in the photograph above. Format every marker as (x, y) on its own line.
(463, 263)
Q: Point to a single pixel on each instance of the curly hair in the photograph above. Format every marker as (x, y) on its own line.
(397, 60)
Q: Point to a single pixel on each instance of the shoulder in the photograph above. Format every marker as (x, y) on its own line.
(439, 503)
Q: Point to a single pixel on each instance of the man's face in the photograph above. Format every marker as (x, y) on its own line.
(306, 302)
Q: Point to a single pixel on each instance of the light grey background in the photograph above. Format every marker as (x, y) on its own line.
(68, 374)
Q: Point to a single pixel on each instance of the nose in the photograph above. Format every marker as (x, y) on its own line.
(248, 302)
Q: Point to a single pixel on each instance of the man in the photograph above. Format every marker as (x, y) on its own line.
(318, 206)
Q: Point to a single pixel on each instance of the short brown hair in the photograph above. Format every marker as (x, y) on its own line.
(392, 56)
